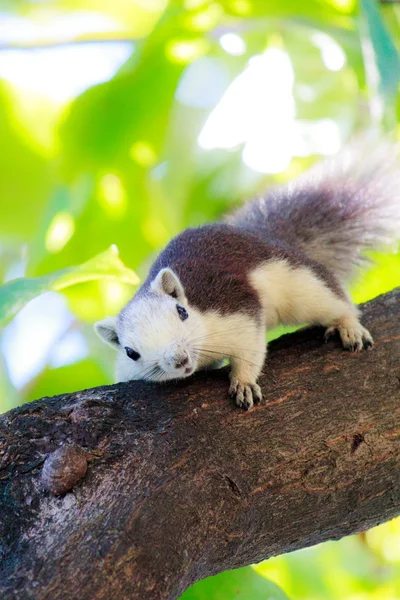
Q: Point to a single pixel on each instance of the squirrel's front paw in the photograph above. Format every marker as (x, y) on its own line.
(245, 394)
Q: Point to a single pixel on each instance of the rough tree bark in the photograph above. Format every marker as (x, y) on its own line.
(181, 484)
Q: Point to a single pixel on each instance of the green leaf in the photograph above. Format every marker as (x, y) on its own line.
(387, 58)
(106, 121)
(16, 293)
(241, 584)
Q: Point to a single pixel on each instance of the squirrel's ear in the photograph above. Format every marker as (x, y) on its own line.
(107, 330)
(167, 282)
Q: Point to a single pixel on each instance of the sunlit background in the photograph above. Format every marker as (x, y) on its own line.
(123, 122)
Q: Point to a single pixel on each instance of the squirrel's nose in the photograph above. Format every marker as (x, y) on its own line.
(181, 360)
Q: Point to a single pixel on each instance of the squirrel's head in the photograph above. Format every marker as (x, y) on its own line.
(154, 333)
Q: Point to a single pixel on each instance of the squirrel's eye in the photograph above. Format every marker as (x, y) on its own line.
(182, 312)
(132, 353)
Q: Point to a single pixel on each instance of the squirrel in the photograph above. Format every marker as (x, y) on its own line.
(281, 259)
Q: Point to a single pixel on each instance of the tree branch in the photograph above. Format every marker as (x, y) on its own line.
(181, 484)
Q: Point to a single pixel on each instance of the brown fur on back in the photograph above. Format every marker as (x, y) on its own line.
(213, 263)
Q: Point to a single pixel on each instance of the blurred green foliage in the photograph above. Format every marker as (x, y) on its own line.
(242, 584)
(16, 293)
(120, 163)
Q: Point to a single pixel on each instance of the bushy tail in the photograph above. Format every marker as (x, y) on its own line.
(335, 212)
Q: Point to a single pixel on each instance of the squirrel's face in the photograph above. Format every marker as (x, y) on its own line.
(155, 333)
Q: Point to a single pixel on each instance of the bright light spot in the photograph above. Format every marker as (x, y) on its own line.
(241, 7)
(345, 5)
(258, 110)
(316, 137)
(204, 20)
(22, 30)
(16, 28)
(59, 73)
(233, 44)
(185, 51)
(70, 348)
(332, 54)
(262, 157)
(28, 339)
(143, 153)
(114, 294)
(203, 83)
(64, 72)
(112, 196)
(60, 231)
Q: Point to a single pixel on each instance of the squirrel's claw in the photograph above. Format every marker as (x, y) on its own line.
(329, 333)
(354, 338)
(245, 394)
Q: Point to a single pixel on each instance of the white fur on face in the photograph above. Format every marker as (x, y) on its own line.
(151, 326)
